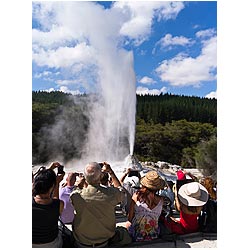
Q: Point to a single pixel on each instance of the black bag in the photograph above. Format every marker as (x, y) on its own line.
(67, 235)
(208, 217)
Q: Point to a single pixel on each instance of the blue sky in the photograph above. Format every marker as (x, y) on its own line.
(174, 44)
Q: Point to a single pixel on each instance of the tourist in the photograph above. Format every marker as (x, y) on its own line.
(209, 184)
(146, 208)
(46, 207)
(167, 191)
(67, 215)
(189, 201)
(208, 215)
(94, 224)
(130, 181)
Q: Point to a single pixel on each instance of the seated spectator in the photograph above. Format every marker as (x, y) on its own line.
(94, 224)
(168, 192)
(67, 215)
(209, 184)
(130, 181)
(208, 215)
(46, 208)
(146, 208)
(189, 201)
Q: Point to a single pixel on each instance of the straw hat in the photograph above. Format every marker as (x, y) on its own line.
(193, 194)
(152, 181)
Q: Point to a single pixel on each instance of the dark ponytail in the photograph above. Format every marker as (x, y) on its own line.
(43, 181)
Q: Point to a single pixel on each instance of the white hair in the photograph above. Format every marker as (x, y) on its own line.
(92, 173)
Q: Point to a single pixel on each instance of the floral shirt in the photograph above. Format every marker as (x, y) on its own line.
(144, 225)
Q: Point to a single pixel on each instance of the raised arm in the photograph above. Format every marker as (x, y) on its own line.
(124, 175)
(106, 168)
(176, 199)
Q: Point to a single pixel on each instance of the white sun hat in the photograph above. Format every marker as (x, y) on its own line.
(193, 194)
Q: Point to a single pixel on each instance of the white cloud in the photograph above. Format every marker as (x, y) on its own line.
(64, 89)
(67, 90)
(212, 94)
(64, 56)
(66, 36)
(196, 26)
(168, 40)
(185, 71)
(139, 16)
(57, 36)
(147, 80)
(43, 74)
(50, 90)
(145, 91)
(205, 33)
(67, 82)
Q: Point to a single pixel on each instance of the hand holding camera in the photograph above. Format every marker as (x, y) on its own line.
(133, 173)
(60, 170)
(54, 165)
(60, 174)
(106, 168)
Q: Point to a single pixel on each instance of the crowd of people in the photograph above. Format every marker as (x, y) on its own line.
(87, 201)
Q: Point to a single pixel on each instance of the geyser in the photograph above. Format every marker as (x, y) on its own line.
(112, 117)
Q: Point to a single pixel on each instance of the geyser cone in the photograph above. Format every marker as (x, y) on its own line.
(133, 163)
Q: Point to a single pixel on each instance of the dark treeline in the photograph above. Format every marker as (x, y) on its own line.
(172, 128)
(168, 107)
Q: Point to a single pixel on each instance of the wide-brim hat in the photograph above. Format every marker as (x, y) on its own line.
(193, 194)
(153, 181)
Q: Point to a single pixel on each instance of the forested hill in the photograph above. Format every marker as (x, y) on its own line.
(167, 107)
(177, 129)
(155, 109)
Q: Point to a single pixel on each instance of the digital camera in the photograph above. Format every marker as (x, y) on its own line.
(60, 169)
(133, 173)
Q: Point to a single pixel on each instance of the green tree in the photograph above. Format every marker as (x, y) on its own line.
(206, 157)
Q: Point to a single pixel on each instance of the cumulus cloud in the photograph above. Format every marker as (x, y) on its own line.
(64, 56)
(64, 35)
(184, 70)
(145, 91)
(206, 33)
(139, 16)
(168, 40)
(64, 89)
(147, 80)
(43, 74)
(67, 82)
(212, 94)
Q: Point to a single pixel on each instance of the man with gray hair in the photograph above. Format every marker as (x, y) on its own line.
(94, 224)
